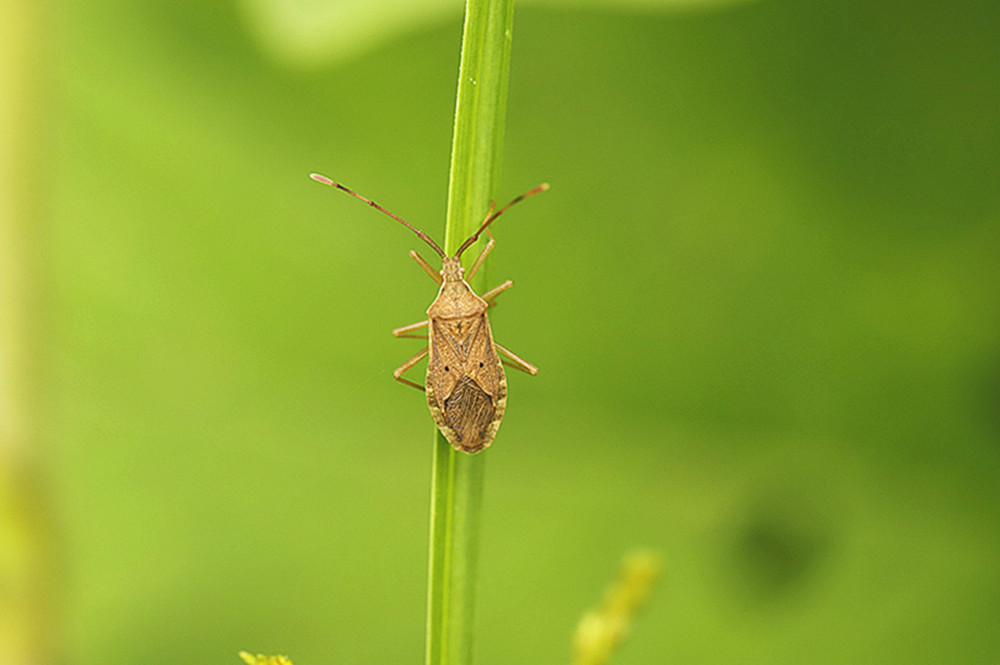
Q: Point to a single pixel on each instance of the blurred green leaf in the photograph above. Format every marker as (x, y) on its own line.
(315, 32)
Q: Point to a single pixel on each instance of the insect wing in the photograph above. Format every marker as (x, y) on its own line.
(446, 363)
(466, 386)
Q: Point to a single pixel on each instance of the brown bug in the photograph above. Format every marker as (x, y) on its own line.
(466, 386)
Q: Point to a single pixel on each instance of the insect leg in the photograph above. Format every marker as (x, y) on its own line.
(397, 373)
(482, 255)
(405, 331)
(428, 268)
(491, 295)
(517, 361)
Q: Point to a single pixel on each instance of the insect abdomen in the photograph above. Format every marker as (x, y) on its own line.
(467, 415)
(471, 413)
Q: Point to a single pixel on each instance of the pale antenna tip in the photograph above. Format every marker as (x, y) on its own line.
(321, 178)
(543, 187)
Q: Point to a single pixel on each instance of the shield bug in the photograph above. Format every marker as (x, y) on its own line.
(465, 385)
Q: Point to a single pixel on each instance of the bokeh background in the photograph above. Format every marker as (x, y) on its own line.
(762, 293)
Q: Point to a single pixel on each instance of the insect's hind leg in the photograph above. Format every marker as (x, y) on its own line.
(398, 372)
(516, 361)
(404, 331)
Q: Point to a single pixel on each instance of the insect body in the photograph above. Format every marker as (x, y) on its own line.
(466, 386)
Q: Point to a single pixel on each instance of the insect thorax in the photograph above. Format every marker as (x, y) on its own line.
(456, 300)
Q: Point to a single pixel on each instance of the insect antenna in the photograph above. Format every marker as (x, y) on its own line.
(423, 236)
(489, 220)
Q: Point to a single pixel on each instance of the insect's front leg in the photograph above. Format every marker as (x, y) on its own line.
(428, 268)
(398, 372)
(404, 331)
(516, 361)
(482, 255)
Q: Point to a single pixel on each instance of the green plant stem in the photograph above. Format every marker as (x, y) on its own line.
(477, 143)
(457, 483)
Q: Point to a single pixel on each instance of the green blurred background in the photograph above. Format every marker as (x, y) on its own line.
(762, 293)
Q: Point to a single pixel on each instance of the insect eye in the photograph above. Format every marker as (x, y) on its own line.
(480, 364)
(446, 368)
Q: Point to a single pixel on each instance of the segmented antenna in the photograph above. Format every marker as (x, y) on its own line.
(489, 220)
(423, 236)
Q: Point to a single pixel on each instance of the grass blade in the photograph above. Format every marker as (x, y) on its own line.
(457, 484)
